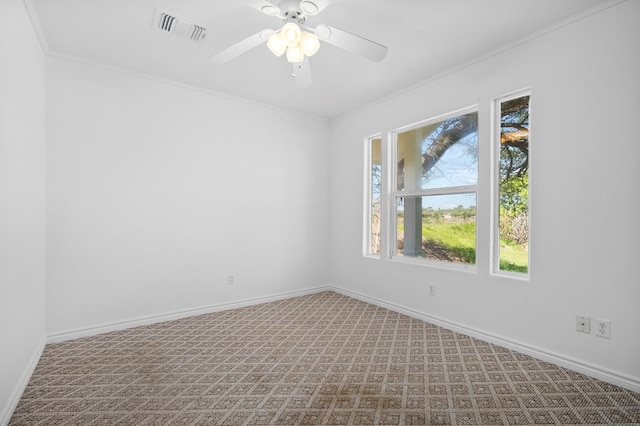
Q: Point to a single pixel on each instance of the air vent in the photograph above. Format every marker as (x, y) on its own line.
(176, 25)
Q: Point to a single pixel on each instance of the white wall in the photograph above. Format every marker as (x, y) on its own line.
(156, 192)
(584, 189)
(22, 198)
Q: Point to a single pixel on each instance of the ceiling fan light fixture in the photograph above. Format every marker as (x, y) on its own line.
(276, 45)
(306, 43)
(291, 34)
(295, 55)
(309, 43)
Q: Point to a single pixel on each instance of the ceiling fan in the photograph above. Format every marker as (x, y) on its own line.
(299, 41)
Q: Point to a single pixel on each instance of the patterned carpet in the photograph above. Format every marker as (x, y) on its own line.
(318, 359)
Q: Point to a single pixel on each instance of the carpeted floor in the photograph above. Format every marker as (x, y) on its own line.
(318, 359)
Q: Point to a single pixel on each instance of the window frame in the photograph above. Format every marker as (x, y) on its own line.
(394, 193)
(496, 122)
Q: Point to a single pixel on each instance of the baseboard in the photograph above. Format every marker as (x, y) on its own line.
(7, 411)
(153, 319)
(580, 367)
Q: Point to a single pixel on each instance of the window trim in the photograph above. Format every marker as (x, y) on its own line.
(495, 270)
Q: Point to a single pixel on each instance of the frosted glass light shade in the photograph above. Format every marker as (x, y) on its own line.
(291, 34)
(276, 44)
(294, 54)
(309, 43)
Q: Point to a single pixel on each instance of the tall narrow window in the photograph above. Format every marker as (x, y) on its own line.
(512, 183)
(436, 169)
(374, 201)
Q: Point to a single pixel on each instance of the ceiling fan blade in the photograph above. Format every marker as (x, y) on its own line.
(351, 42)
(241, 47)
(313, 7)
(302, 73)
(268, 7)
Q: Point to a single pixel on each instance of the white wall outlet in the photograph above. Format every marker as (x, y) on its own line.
(431, 289)
(583, 324)
(603, 328)
(231, 279)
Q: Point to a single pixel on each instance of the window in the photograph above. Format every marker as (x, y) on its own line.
(420, 199)
(436, 178)
(374, 180)
(512, 181)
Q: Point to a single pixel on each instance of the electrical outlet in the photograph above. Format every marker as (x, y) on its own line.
(583, 324)
(603, 328)
(431, 290)
(231, 279)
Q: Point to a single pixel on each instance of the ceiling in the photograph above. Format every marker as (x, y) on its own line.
(424, 38)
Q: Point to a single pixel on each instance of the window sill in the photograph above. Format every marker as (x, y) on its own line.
(435, 264)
